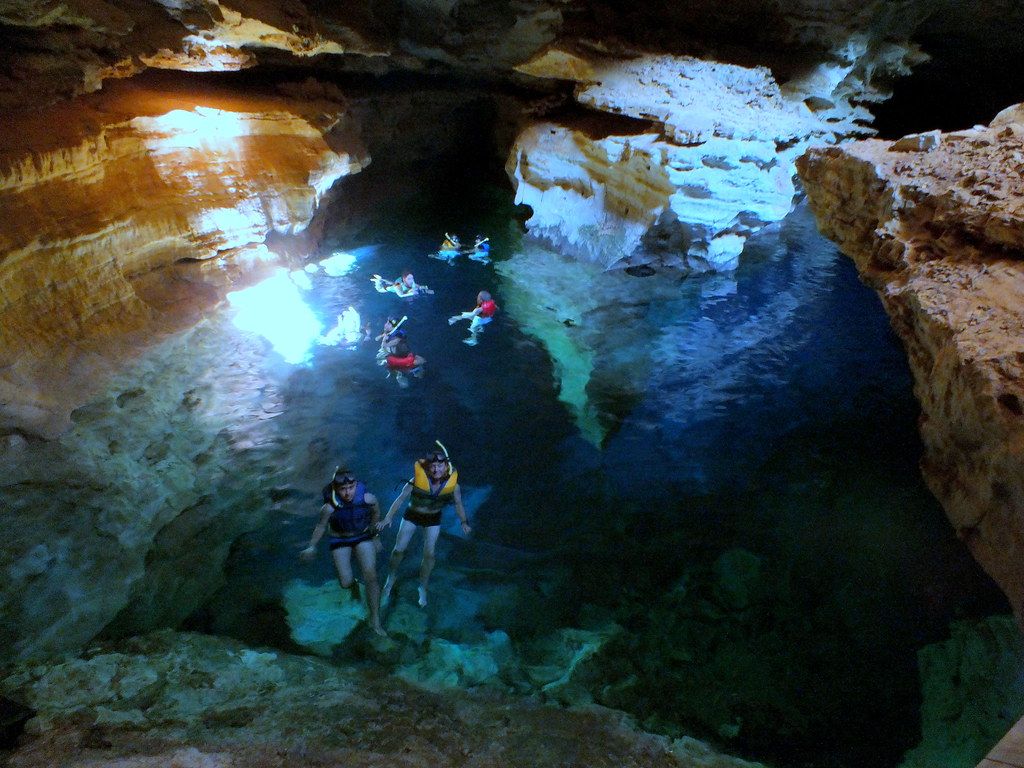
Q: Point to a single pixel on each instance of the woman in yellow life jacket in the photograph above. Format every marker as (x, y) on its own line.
(434, 486)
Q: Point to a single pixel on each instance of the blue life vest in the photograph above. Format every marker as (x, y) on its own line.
(348, 519)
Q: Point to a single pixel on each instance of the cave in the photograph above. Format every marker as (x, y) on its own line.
(546, 383)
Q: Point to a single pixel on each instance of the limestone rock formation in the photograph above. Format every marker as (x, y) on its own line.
(56, 51)
(189, 700)
(706, 160)
(936, 226)
(124, 522)
(102, 195)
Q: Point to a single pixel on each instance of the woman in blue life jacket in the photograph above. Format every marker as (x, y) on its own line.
(351, 514)
(434, 486)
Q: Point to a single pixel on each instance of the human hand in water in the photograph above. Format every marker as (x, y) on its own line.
(308, 553)
(465, 527)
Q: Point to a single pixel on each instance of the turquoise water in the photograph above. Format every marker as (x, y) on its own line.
(716, 476)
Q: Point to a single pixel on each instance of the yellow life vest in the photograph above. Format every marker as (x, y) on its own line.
(420, 481)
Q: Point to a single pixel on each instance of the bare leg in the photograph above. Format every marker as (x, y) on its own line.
(343, 564)
(427, 565)
(367, 554)
(405, 532)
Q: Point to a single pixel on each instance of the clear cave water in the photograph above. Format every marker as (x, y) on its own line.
(713, 478)
(723, 466)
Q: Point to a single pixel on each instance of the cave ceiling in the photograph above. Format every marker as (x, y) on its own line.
(55, 49)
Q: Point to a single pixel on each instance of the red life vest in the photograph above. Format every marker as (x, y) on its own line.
(409, 361)
(488, 308)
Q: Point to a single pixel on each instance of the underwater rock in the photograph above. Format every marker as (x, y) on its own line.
(562, 668)
(321, 617)
(737, 576)
(938, 233)
(446, 664)
(576, 310)
(217, 702)
(973, 693)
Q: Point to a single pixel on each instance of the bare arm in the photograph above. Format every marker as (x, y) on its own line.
(370, 499)
(396, 505)
(461, 510)
(318, 532)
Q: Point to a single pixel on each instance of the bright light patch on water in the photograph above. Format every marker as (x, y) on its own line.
(274, 309)
(339, 264)
(301, 279)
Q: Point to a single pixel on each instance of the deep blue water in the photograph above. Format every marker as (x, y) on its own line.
(741, 494)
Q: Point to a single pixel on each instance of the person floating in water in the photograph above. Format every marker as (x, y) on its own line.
(404, 287)
(478, 317)
(389, 337)
(352, 515)
(481, 249)
(449, 249)
(402, 360)
(434, 486)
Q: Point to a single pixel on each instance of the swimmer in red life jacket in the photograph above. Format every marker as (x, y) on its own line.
(401, 360)
(351, 514)
(478, 317)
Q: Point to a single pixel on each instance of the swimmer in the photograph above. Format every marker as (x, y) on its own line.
(434, 486)
(404, 287)
(481, 250)
(401, 360)
(449, 249)
(478, 317)
(388, 336)
(352, 515)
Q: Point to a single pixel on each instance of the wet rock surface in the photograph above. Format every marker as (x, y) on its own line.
(190, 700)
(934, 223)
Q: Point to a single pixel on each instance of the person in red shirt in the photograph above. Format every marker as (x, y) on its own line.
(478, 317)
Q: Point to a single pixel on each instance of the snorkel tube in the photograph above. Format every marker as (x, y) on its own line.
(445, 450)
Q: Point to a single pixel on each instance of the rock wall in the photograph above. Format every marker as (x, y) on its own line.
(706, 159)
(935, 223)
(101, 194)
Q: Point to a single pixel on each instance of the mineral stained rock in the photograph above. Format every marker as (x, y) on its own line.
(101, 195)
(935, 224)
(705, 160)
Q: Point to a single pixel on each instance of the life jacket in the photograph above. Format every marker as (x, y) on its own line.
(488, 308)
(409, 361)
(348, 518)
(448, 245)
(423, 501)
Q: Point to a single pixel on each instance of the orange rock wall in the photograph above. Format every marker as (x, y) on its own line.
(98, 194)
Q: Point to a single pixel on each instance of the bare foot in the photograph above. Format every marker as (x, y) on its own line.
(379, 630)
(423, 596)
